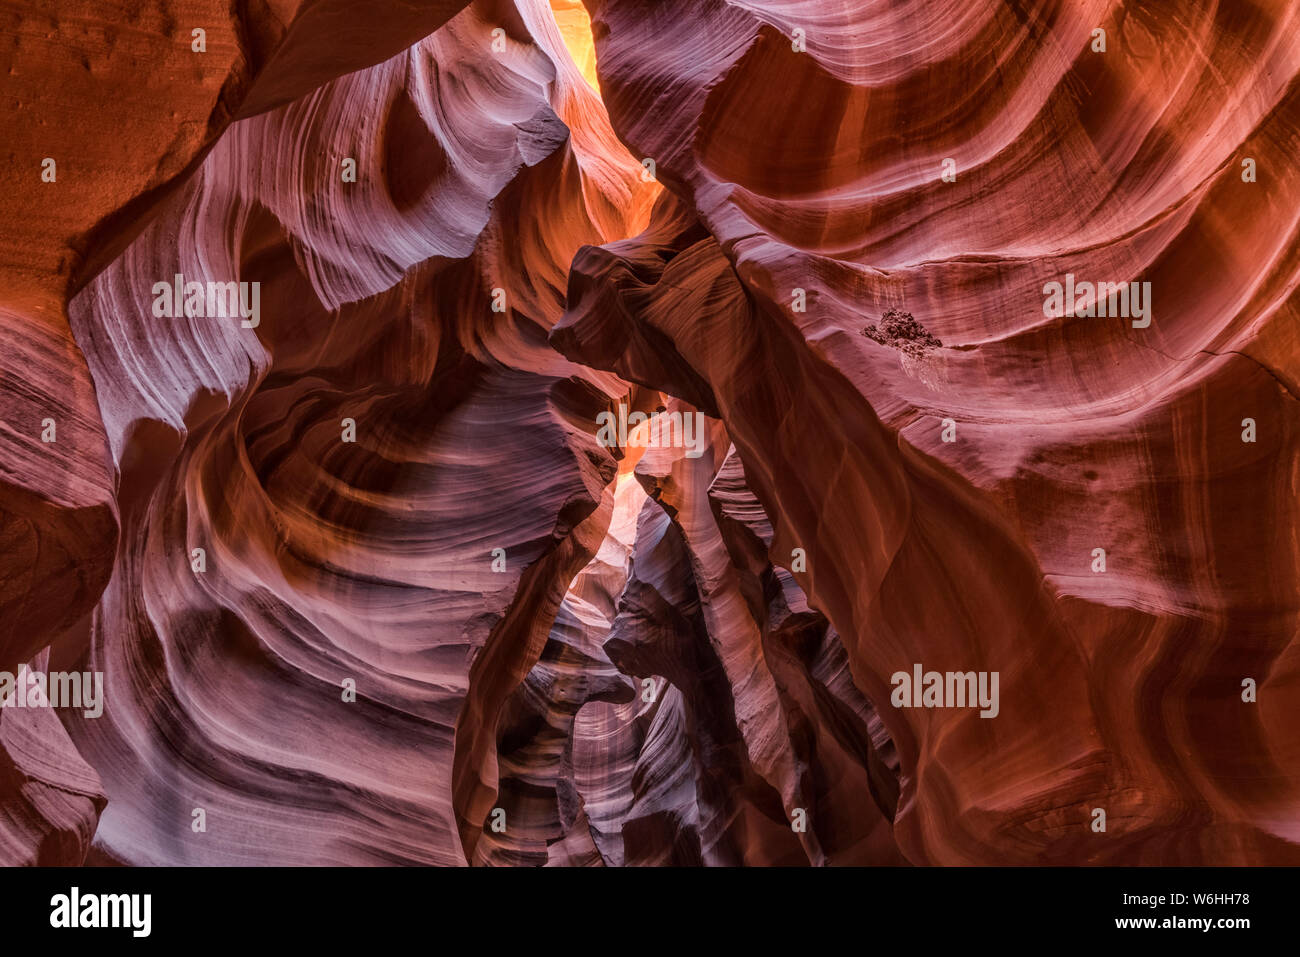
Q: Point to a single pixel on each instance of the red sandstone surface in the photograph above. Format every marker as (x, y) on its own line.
(366, 579)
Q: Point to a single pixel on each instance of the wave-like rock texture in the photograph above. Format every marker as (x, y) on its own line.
(784, 240)
(372, 578)
(109, 107)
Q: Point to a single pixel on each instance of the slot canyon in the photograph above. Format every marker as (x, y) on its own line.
(368, 584)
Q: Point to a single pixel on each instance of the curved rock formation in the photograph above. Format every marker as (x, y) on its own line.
(587, 417)
(1122, 690)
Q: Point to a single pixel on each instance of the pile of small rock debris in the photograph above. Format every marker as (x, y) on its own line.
(900, 330)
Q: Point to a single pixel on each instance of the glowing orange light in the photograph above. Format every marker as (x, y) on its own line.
(575, 26)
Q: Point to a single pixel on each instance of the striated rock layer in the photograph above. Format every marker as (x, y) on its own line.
(588, 412)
